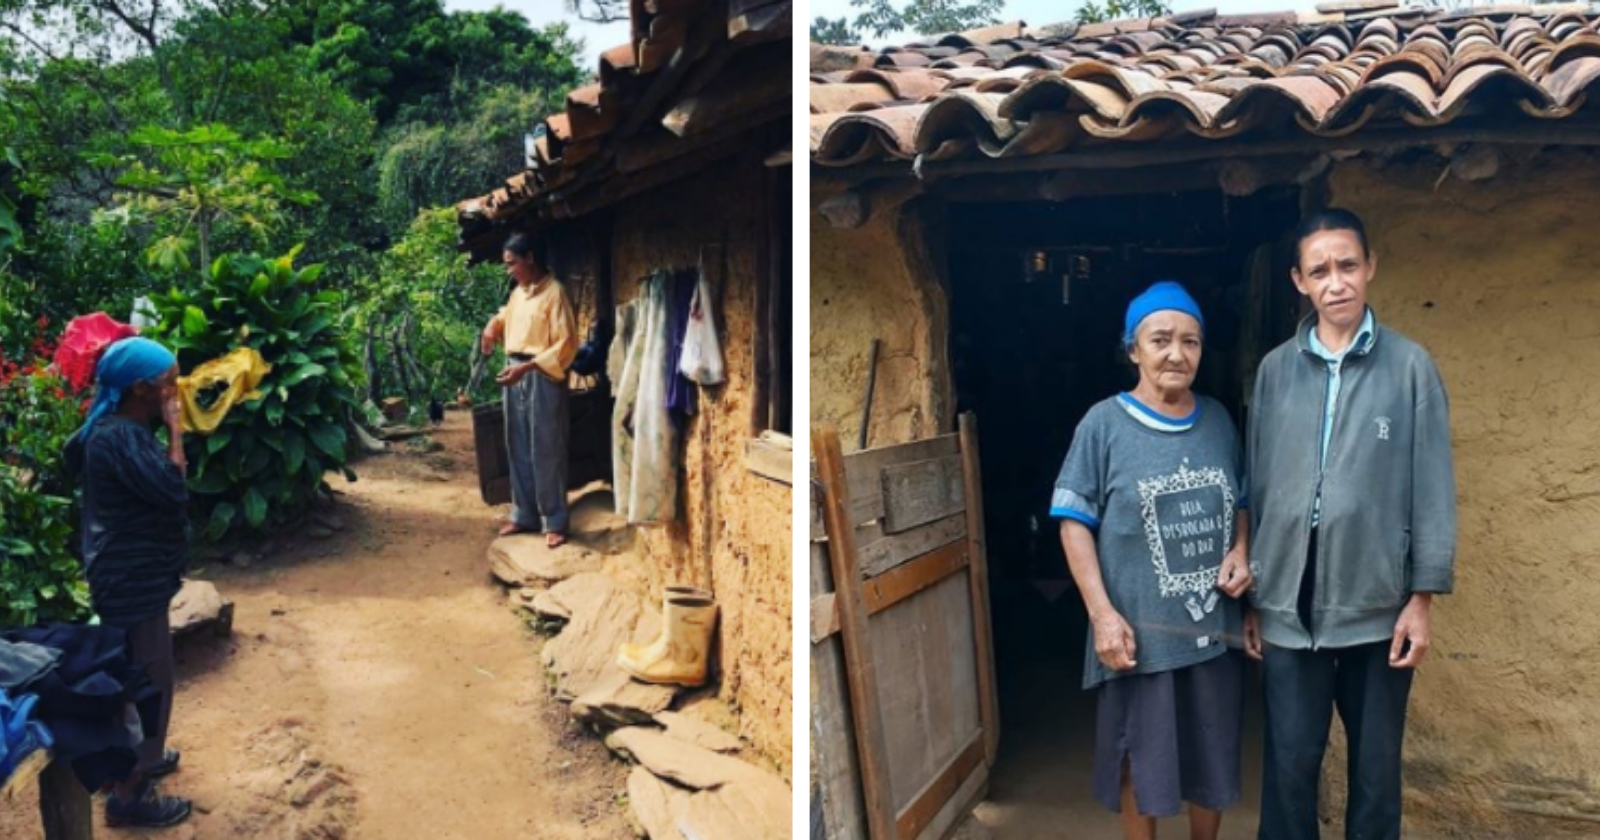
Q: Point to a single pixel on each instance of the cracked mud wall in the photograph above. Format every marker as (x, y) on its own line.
(1498, 280)
(881, 281)
(733, 534)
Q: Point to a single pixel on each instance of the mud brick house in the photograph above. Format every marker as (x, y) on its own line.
(985, 204)
(678, 156)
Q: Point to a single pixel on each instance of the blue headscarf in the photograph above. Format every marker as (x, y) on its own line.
(124, 363)
(1162, 296)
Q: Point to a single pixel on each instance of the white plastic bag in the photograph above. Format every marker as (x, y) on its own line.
(144, 314)
(702, 353)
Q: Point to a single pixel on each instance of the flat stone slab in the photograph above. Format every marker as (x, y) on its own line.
(199, 605)
(742, 810)
(698, 732)
(681, 791)
(524, 560)
(619, 700)
(604, 615)
(682, 762)
(548, 606)
(656, 805)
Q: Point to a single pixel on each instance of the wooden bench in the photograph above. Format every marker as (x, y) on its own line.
(64, 805)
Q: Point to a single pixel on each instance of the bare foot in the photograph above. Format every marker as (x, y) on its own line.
(511, 528)
(555, 539)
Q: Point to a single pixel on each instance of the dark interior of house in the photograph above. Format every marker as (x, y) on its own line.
(1038, 292)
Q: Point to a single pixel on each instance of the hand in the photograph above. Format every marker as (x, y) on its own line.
(172, 413)
(1234, 576)
(175, 453)
(513, 374)
(1113, 641)
(1252, 635)
(1410, 643)
(486, 341)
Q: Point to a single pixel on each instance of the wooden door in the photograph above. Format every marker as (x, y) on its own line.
(904, 712)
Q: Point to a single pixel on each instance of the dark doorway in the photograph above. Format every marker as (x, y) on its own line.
(1038, 292)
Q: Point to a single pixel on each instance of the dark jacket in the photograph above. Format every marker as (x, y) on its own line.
(1388, 521)
(135, 544)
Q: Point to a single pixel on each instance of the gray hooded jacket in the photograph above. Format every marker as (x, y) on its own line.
(1388, 520)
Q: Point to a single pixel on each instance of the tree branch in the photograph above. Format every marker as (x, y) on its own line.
(87, 80)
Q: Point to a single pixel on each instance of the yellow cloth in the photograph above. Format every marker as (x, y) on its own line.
(539, 322)
(242, 370)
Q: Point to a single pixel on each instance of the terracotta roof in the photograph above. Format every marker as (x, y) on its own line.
(673, 60)
(1014, 91)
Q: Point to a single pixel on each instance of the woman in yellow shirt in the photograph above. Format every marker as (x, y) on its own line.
(539, 331)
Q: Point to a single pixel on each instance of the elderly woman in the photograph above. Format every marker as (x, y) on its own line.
(135, 546)
(1154, 526)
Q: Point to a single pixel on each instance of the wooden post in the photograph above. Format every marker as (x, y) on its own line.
(860, 672)
(978, 569)
(64, 804)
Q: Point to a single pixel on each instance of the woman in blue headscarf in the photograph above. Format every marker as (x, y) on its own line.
(134, 543)
(1154, 524)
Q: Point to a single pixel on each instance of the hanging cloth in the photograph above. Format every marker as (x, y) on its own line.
(644, 438)
(240, 371)
(681, 393)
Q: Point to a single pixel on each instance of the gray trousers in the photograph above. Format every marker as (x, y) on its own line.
(537, 428)
(150, 645)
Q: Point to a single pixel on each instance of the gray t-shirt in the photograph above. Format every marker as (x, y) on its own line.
(1160, 496)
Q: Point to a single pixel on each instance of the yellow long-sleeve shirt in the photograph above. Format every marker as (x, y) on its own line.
(538, 321)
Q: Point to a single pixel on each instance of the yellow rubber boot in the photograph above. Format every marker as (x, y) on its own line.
(679, 656)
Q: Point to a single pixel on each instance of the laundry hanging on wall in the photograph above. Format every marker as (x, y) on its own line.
(644, 437)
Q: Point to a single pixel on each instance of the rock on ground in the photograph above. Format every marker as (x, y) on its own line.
(619, 700)
(683, 791)
(604, 615)
(697, 732)
(198, 604)
(524, 560)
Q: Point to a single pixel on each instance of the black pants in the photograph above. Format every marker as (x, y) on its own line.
(1303, 687)
(150, 645)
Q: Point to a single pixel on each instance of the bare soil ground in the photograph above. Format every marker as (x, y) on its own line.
(378, 686)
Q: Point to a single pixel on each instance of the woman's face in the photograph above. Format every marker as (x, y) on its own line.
(1166, 350)
(152, 394)
(519, 269)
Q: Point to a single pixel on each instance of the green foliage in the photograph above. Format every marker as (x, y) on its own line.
(433, 165)
(835, 31)
(926, 17)
(267, 459)
(425, 309)
(196, 179)
(40, 579)
(1092, 12)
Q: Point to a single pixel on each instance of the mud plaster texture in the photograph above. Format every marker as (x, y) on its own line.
(1497, 279)
(881, 281)
(733, 534)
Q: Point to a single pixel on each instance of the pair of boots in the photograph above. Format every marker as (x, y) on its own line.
(680, 655)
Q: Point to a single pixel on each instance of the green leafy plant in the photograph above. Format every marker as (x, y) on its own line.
(268, 458)
(40, 578)
(194, 180)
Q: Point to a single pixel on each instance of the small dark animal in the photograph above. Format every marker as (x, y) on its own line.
(435, 411)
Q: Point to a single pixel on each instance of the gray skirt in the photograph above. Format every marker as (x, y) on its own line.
(1179, 732)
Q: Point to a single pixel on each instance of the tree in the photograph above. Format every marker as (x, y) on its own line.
(599, 11)
(195, 180)
(925, 17)
(835, 31)
(1092, 12)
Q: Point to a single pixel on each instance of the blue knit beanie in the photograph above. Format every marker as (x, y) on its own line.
(1162, 295)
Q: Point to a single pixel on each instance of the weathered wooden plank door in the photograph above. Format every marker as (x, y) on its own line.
(904, 713)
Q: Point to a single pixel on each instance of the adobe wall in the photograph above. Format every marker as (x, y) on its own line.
(734, 533)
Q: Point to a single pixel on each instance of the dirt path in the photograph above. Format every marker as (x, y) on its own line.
(377, 686)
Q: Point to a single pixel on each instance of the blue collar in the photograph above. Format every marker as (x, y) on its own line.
(1151, 418)
(1361, 344)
